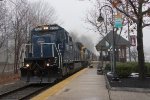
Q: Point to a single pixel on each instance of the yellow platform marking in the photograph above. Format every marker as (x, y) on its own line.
(53, 90)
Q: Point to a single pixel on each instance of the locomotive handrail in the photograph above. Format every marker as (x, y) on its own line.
(53, 53)
(60, 56)
(23, 49)
(48, 43)
(29, 44)
(22, 53)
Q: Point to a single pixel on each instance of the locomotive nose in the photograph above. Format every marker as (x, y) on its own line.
(36, 72)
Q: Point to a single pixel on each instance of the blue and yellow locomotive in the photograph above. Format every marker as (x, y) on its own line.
(50, 55)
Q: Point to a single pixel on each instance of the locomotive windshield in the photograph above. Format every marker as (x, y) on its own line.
(50, 35)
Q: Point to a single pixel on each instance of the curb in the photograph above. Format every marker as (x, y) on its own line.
(140, 90)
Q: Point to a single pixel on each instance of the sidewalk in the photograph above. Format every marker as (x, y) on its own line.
(84, 85)
(89, 86)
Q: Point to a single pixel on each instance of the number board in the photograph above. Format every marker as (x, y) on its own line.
(45, 28)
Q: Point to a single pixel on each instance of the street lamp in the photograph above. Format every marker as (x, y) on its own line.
(100, 19)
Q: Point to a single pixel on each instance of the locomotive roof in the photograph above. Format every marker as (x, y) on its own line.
(52, 27)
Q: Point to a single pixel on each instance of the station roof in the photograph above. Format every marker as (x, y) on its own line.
(107, 41)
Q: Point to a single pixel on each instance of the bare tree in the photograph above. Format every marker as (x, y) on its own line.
(139, 13)
(25, 16)
(17, 18)
(19, 28)
(40, 13)
(91, 19)
(3, 15)
(105, 26)
(4, 32)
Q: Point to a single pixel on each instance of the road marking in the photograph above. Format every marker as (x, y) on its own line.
(53, 90)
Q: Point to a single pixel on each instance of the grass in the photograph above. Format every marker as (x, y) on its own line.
(8, 78)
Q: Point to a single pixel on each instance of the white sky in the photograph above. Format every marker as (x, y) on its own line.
(72, 14)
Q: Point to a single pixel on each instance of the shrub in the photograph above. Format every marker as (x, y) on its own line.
(148, 69)
(108, 67)
(123, 69)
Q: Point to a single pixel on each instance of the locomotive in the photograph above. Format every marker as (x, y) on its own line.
(50, 55)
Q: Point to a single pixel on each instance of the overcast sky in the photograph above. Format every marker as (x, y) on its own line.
(72, 14)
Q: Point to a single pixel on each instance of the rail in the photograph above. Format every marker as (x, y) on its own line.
(23, 92)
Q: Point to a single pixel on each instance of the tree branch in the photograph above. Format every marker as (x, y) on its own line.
(145, 1)
(91, 22)
(126, 14)
(145, 25)
(134, 8)
(133, 19)
(146, 11)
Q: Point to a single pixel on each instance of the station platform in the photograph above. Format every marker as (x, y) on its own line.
(84, 85)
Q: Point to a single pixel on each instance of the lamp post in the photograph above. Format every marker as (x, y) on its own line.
(100, 19)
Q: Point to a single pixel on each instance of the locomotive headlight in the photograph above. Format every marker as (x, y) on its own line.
(47, 64)
(45, 28)
(27, 65)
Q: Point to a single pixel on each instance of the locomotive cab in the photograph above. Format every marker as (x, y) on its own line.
(43, 56)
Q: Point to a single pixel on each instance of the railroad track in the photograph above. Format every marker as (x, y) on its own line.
(24, 92)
